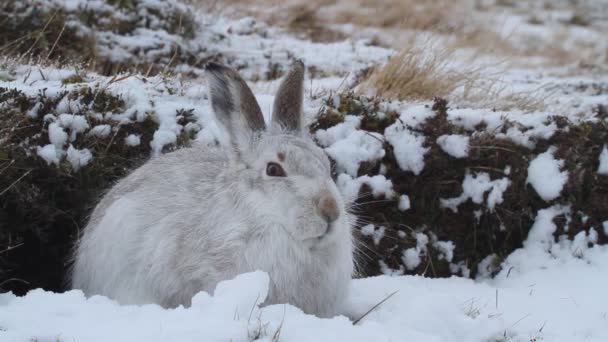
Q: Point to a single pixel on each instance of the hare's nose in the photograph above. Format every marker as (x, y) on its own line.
(328, 207)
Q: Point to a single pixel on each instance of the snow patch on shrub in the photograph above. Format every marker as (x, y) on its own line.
(49, 153)
(132, 140)
(349, 187)
(359, 146)
(375, 234)
(404, 202)
(474, 187)
(408, 147)
(455, 145)
(78, 158)
(541, 233)
(328, 137)
(545, 176)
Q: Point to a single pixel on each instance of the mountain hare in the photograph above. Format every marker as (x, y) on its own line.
(189, 219)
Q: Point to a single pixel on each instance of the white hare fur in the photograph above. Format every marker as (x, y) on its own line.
(189, 219)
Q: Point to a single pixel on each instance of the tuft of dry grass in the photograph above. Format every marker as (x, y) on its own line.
(427, 70)
(417, 73)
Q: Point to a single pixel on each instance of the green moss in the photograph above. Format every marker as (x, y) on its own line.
(75, 78)
(578, 20)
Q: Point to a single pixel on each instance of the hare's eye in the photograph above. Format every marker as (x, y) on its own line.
(275, 170)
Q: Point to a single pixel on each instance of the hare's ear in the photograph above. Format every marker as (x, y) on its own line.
(287, 109)
(234, 104)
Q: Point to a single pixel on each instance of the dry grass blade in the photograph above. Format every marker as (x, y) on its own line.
(10, 248)
(15, 182)
(39, 36)
(48, 55)
(374, 307)
(277, 334)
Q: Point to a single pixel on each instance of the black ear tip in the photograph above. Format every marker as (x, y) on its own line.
(214, 66)
(299, 64)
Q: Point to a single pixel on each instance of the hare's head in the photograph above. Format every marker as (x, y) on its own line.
(282, 174)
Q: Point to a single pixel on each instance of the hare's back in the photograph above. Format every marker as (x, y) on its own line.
(140, 222)
(169, 182)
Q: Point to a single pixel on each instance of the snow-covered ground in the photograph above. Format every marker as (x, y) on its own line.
(546, 291)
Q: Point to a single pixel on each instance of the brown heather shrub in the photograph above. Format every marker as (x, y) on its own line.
(475, 230)
(43, 32)
(43, 207)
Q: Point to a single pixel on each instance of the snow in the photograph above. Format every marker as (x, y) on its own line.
(132, 140)
(78, 158)
(75, 123)
(101, 131)
(57, 136)
(359, 146)
(408, 147)
(541, 233)
(526, 129)
(49, 153)
(474, 187)
(328, 137)
(411, 258)
(603, 168)
(455, 145)
(486, 267)
(349, 187)
(545, 176)
(446, 248)
(536, 296)
(605, 226)
(404, 203)
(375, 234)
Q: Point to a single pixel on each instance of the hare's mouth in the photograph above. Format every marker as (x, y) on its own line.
(314, 241)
